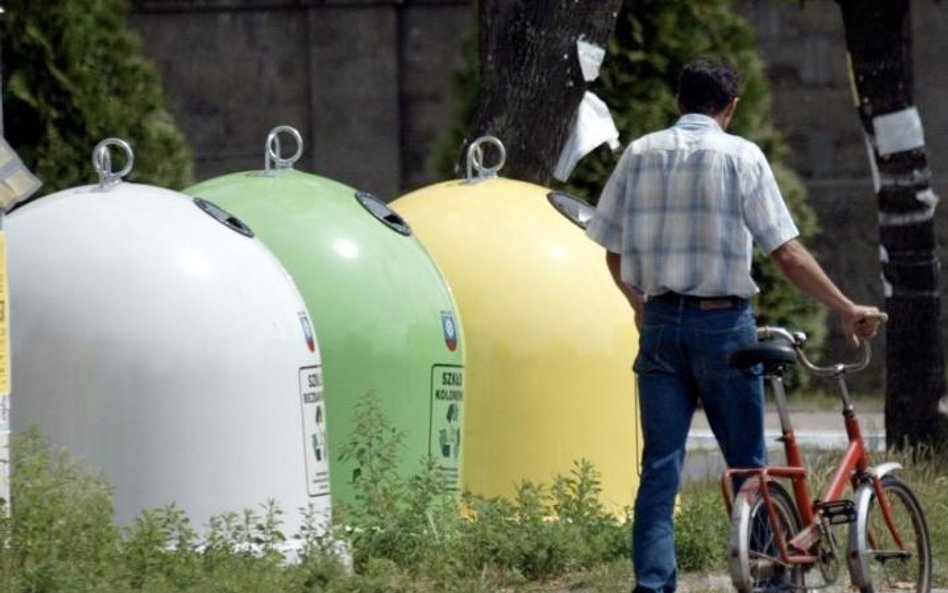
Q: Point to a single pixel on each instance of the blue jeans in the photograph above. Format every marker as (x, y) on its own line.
(682, 358)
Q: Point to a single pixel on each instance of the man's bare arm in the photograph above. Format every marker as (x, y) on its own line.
(805, 273)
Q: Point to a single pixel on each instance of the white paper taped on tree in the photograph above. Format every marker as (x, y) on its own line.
(884, 259)
(898, 131)
(593, 126)
(16, 181)
(590, 58)
(927, 198)
(873, 168)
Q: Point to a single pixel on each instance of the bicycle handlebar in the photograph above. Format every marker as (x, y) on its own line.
(797, 339)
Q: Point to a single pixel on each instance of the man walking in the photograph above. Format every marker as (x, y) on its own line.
(678, 218)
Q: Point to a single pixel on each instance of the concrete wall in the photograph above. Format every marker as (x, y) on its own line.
(366, 82)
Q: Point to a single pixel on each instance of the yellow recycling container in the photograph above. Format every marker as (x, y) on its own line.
(550, 338)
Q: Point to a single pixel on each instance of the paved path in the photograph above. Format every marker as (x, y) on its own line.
(705, 583)
(815, 431)
(817, 428)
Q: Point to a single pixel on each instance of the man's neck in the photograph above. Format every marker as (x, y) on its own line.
(723, 117)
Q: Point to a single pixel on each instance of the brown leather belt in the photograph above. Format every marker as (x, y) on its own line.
(700, 302)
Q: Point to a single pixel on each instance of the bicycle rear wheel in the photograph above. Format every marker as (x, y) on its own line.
(878, 563)
(754, 558)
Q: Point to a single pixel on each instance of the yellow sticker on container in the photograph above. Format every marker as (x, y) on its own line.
(4, 318)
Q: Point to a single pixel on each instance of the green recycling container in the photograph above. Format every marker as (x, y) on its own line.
(387, 323)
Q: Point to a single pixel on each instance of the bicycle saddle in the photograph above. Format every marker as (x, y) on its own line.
(773, 355)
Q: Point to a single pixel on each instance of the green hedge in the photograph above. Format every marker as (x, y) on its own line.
(74, 75)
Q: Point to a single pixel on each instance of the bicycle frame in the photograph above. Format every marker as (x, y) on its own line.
(853, 467)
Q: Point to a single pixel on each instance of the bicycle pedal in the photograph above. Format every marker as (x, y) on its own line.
(837, 512)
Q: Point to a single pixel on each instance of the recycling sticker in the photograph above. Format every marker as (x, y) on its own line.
(447, 403)
(315, 440)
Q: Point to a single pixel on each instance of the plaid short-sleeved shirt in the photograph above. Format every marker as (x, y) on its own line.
(683, 208)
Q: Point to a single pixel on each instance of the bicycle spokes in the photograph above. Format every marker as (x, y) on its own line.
(756, 564)
(890, 566)
(892, 548)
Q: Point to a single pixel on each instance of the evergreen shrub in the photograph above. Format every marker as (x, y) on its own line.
(75, 75)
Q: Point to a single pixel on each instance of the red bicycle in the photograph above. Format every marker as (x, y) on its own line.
(778, 539)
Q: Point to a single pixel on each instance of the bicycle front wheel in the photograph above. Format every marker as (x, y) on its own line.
(754, 561)
(879, 563)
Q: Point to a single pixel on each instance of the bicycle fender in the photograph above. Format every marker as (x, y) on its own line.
(857, 558)
(740, 518)
(884, 468)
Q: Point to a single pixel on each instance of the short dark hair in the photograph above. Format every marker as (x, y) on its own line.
(706, 85)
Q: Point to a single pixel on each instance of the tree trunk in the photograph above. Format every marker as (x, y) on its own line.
(530, 79)
(878, 38)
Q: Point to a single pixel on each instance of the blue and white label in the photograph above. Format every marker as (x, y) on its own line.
(450, 330)
(307, 331)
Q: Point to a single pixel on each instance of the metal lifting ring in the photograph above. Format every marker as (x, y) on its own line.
(273, 149)
(102, 161)
(475, 158)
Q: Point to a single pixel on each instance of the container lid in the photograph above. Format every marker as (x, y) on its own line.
(576, 210)
(383, 213)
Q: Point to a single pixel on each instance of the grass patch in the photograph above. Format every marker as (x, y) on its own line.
(701, 528)
(927, 475)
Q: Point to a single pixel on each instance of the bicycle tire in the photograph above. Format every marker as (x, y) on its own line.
(877, 564)
(754, 561)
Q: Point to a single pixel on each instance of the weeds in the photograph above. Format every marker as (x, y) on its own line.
(403, 534)
(542, 534)
(416, 524)
(926, 471)
(701, 528)
(60, 534)
(392, 518)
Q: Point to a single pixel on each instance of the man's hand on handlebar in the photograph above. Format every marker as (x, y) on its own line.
(861, 322)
